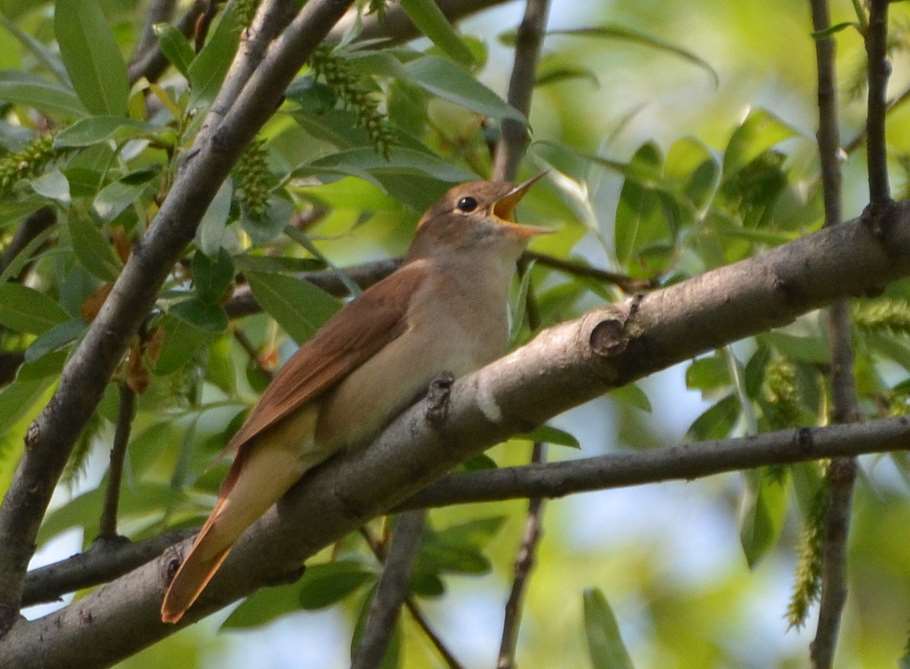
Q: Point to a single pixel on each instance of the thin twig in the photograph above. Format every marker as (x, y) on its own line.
(251, 351)
(159, 11)
(511, 146)
(684, 462)
(413, 608)
(101, 563)
(860, 137)
(391, 591)
(879, 70)
(623, 282)
(126, 411)
(842, 471)
(524, 563)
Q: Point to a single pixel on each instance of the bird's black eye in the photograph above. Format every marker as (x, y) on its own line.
(467, 204)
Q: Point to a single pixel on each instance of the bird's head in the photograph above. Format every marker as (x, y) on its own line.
(474, 216)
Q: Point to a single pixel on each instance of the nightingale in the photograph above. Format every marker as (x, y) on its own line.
(444, 310)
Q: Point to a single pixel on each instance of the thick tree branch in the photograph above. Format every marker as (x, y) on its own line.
(88, 370)
(511, 146)
(841, 473)
(562, 367)
(391, 592)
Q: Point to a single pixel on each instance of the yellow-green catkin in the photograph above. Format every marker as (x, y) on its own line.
(889, 315)
(26, 163)
(252, 179)
(781, 395)
(807, 585)
(348, 86)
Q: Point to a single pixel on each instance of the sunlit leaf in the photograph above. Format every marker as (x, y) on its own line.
(759, 132)
(762, 513)
(605, 645)
(298, 306)
(25, 309)
(429, 19)
(716, 422)
(207, 70)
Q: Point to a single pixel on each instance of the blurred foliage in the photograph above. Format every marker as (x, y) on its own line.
(657, 171)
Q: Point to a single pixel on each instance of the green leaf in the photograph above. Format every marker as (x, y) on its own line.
(95, 129)
(32, 379)
(56, 338)
(836, 28)
(92, 249)
(451, 82)
(640, 221)
(400, 161)
(206, 317)
(548, 434)
(762, 514)
(116, 197)
(263, 606)
(759, 132)
(554, 75)
(175, 46)
(708, 375)
(429, 19)
(24, 309)
(27, 253)
(208, 69)
(605, 645)
(20, 88)
(52, 185)
(91, 56)
(42, 53)
(617, 32)
(755, 371)
(477, 532)
(188, 327)
(802, 349)
(324, 584)
(521, 304)
(437, 556)
(633, 395)
(211, 229)
(716, 422)
(298, 306)
(212, 276)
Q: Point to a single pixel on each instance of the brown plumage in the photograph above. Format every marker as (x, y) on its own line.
(445, 309)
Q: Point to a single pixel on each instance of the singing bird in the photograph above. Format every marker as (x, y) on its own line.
(444, 310)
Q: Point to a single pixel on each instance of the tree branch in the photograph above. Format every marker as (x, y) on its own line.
(99, 564)
(87, 371)
(879, 70)
(127, 409)
(563, 366)
(413, 609)
(842, 472)
(158, 11)
(391, 592)
(524, 563)
(511, 146)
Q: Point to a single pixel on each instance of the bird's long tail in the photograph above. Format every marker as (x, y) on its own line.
(262, 472)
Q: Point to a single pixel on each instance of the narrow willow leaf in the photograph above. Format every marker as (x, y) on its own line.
(20, 88)
(211, 230)
(716, 422)
(93, 251)
(207, 71)
(759, 132)
(95, 129)
(451, 82)
(56, 338)
(298, 306)
(548, 434)
(324, 584)
(605, 645)
(762, 514)
(617, 32)
(25, 309)
(91, 56)
(429, 19)
(175, 46)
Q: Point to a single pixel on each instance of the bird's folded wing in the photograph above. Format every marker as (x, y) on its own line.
(346, 341)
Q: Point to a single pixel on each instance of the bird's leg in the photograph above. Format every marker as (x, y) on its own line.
(438, 394)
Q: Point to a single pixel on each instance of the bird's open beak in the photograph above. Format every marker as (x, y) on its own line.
(504, 209)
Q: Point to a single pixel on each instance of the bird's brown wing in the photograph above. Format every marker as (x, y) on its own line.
(346, 341)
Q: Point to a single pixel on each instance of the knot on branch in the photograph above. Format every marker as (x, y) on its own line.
(169, 563)
(876, 218)
(32, 434)
(438, 394)
(614, 335)
(804, 439)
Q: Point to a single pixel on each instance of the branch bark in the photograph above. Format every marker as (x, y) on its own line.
(842, 472)
(127, 409)
(391, 592)
(562, 367)
(879, 70)
(86, 373)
